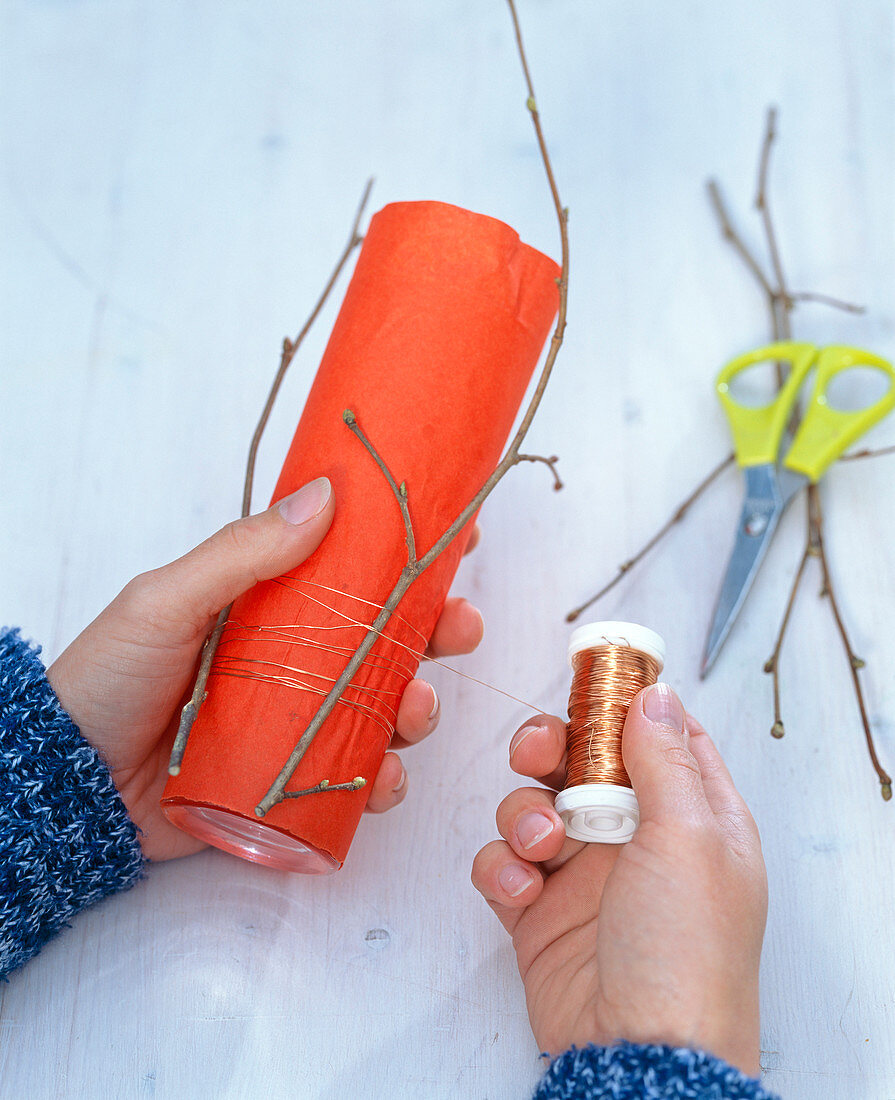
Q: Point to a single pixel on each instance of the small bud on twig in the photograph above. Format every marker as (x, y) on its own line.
(549, 462)
(324, 786)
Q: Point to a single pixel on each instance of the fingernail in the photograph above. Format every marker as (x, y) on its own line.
(306, 503)
(660, 704)
(532, 828)
(435, 703)
(514, 878)
(521, 735)
(402, 782)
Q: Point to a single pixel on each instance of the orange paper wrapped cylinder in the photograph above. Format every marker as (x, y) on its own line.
(433, 349)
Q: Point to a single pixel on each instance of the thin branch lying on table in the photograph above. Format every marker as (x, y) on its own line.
(855, 662)
(771, 665)
(781, 300)
(781, 303)
(868, 454)
(825, 300)
(676, 517)
(679, 513)
(416, 565)
(290, 347)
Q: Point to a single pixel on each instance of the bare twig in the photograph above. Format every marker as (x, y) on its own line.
(400, 491)
(855, 663)
(772, 665)
(325, 785)
(550, 463)
(761, 196)
(734, 239)
(412, 569)
(781, 303)
(197, 698)
(825, 300)
(868, 454)
(290, 347)
(676, 517)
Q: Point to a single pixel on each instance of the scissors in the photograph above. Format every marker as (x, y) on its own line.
(759, 433)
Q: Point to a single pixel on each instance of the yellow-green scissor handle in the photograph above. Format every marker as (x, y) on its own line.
(826, 432)
(757, 431)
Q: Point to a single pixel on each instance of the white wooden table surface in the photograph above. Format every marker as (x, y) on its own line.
(177, 180)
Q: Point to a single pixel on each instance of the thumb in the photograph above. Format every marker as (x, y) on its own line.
(655, 749)
(249, 550)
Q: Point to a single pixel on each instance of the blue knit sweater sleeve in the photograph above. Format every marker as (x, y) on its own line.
(631, 1071)
(65, 838)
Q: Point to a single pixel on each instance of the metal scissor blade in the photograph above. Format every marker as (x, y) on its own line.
(759, 517)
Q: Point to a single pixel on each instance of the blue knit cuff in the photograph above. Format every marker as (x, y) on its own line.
(633, 1072)
(65, 838)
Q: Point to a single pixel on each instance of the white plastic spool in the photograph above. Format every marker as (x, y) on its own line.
(606, 813)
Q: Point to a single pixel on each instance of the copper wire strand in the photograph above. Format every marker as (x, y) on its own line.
(359, 599)
(280, 633)
(300, 679)
(387, 724)
(605, 680)
(361, 689)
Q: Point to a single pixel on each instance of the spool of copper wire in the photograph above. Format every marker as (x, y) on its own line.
(611, 662)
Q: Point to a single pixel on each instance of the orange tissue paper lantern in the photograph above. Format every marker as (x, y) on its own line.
(433, 349)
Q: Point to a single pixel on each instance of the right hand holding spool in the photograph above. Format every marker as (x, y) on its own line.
(657, 941)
